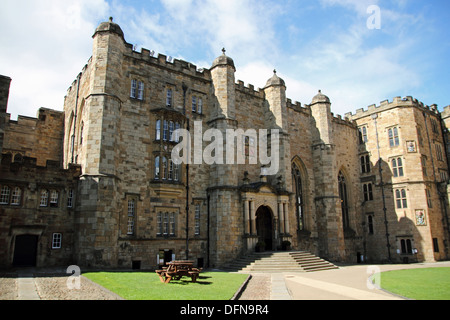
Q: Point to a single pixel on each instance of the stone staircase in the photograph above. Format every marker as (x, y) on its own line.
(292, 261)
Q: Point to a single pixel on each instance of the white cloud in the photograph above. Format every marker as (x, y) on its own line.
(44, 45)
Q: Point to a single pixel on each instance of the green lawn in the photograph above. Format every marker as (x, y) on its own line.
(418, 284)
(147, 286)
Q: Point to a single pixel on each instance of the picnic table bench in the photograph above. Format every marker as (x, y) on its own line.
(177, 269)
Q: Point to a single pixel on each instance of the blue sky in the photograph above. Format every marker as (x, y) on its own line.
(314, 45)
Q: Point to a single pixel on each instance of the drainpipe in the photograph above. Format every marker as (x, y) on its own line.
(388, 245)
(187, 176)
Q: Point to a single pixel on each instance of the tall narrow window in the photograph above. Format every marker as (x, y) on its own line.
(159, 224)
(194, 104)
(393, 137)
(200, 106)
(44, 198)
(165, 130)
(299, 203)
(370, 223)
(140, 95)
(131, 216)
(70, 198)
(157, 168)
(171, 129)
(363, 135)
(177, 134)
(164, 168)
(176, 172)
(81, 133)
(133, 88)
(166, 224)
(172, 224)
(429, 202)
(344, 200)
(169, 98)
(170, 175)
(158, 130)
(439, 152)
(197, 219)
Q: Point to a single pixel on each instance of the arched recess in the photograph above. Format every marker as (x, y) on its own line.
(265, 226)
(344, 196)
(299, 189)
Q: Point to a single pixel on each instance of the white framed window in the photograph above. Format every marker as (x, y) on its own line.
(194, 104)
(16, 196)
(56, 240)
(54, 196)
(4, 195)
(177, 134)
(171, 129)
(172, 224)
(140, 94)
(131, 216)
(200, 106)
(44, 198)
(133, 88)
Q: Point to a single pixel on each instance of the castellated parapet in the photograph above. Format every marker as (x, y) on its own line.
(386, 105)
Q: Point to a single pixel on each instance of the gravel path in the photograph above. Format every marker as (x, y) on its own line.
(53, 286)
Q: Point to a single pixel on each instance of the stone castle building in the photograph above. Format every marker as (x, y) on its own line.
(96, 184)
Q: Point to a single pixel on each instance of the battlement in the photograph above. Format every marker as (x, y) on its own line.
(250, 89)
(163, 60)
(446, 112)
(386, 105)
(297, 106)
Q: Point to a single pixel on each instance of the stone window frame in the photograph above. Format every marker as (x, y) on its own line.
(397, 166)
(370, 223)
(439, 154)
(429, 198)
(137, 89)
(166, 222)
(368, 191)
(366, 166)
(363, 134)
(401, 198)
(394, 136)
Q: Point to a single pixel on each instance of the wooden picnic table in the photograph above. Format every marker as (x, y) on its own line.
(175, 270)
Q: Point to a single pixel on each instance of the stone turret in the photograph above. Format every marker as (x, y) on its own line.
(275, 91)
(327, 200)
(223, 77)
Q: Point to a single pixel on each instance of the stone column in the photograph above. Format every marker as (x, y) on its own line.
(246, 217)
(286, 218)
(281, 217)
(253, 217)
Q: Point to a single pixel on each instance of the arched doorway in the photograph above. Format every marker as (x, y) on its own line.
(264, 226)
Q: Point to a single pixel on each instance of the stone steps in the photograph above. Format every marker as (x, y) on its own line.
(279, 262)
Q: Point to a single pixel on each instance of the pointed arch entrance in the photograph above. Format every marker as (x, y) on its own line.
(265, 226)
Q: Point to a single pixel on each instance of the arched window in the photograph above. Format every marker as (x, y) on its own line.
(344, 199)
(299, 201)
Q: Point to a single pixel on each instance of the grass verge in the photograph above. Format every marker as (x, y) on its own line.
(418, 284)
(147, 286)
